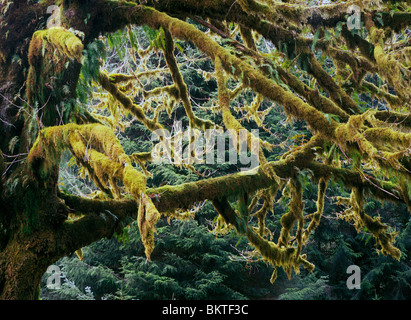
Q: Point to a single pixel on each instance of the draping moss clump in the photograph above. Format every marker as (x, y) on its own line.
(356, 215)
(54, 56)
(287, 256)
(390, 68)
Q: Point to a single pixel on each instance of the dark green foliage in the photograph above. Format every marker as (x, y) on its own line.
(188, 263)
(93, 57)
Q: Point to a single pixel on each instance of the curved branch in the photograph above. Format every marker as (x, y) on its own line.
(127, 102)
(286, 257)
(168, 198)
(102, 218)
(195, 122)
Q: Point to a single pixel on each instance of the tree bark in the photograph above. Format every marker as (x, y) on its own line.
(30, 211)
(22, 265)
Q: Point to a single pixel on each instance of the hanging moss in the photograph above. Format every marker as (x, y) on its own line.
(268, 196)
(294, 214)
(373, 225)
(63, 40)
(289, 258)
(148, 216)
(231, 123)
(388, 65)
(96, 148)
(54, 57)
(247, 37)
(316, 217)
(363, 143)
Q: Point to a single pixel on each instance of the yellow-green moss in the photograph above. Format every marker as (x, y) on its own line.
(316, 217)
(61, 39)
(287, 257)
(195, 122)
(97, 149)
(148, 216)
(294, 214)
(373, 225)
(128, 103)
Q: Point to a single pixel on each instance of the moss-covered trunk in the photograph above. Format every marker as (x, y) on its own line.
(18, 278)
(30, 211)
(21, 270)
(33, 215)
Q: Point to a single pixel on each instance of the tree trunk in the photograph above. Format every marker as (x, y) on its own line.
(33, 242)
(25, 260)
(30, 211)
(21, 270)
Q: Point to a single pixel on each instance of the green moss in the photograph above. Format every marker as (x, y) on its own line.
(388, 64)
(31, 211)
(96, 148)
(247, 37)
(383, 136)
(316, 217)
(288, 258)
(128, 103)
(231, 123)
(148, 216)
(294, 214)
(51, 55)
(59, 38)
(374, 225)
(325, 80)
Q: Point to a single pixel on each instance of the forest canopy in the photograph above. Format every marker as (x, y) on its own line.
(121, 91)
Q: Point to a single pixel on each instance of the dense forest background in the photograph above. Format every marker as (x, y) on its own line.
(191, 260)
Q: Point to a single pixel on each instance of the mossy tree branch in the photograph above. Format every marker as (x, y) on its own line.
(195, 122)
(349, 135)
(394, 72)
